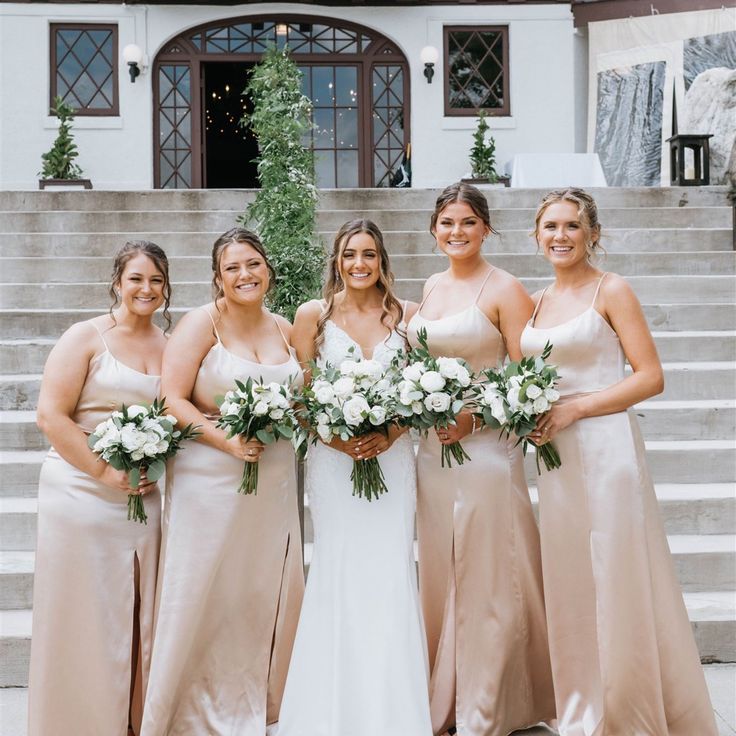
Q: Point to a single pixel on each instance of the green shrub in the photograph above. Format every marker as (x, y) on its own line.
(483, 152)
(58, 163)
(284, 210)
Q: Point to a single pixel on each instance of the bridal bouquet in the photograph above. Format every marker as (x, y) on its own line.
(356, 398)
(512, 398)
(431, 394)
(137, 439)
(257, 410)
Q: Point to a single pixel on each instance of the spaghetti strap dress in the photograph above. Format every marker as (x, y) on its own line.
(623, 656)
(92, 565)
(231, 576)
(480, 577)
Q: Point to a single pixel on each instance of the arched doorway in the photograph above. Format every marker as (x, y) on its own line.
(357, 79)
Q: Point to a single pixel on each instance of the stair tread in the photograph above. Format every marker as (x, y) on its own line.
(701, 543)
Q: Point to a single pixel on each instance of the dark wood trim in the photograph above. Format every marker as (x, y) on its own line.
(504, 111)
(597, 10)
(114, 110)
(365, 60)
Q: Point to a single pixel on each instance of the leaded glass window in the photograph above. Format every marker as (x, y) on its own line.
(476, 70)
(84, 67)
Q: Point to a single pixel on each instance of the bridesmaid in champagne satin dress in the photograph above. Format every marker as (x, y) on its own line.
(95, 572)
(479, 564)
(623, 656)
(231, 576)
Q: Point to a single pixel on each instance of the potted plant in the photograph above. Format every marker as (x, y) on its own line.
(483, 156)
(59, 170)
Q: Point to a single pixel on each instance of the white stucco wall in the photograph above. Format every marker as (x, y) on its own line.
(117, 152)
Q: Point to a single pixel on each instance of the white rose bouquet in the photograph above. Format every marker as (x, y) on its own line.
(356, 398)
(511, 398)
(136, 439)
(257, 410)
(431, 394)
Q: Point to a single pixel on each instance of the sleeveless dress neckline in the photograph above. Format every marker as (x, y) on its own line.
(107, 352)
(358, 345)
(252, 362)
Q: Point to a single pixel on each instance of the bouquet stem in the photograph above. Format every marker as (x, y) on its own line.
(456, 451)
(136, 509)
(249, 482)
(368, 480)
(548, 453)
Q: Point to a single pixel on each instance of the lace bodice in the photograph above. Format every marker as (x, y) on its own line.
(337, 343)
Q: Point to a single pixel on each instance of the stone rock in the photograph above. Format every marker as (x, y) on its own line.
(710, 107)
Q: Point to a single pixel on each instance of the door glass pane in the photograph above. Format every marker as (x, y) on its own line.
(347, 127)
(346, 85)
(324, 168)
(347, 168)
(323, 86)
(324, 132)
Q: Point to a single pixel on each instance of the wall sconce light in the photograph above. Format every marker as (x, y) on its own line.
(133, 56)
(281, 29)
(429, 56)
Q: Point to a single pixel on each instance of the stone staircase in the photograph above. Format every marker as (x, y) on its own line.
(674, 245)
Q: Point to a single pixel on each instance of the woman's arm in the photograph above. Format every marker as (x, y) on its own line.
(304, 334)
(515, 309)
(64, 376)
(187, 347)
(619, 305)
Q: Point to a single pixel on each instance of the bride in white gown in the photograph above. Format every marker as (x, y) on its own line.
(359, 664)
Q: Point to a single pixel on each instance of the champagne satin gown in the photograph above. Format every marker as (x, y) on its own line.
(624, 659)
(92, 564)
(231, 577)
(480, 575)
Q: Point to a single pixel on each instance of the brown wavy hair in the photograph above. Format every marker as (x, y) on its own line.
(587, 214)
(461, 191)
(236, 235)
(391, 310)
(131, 249)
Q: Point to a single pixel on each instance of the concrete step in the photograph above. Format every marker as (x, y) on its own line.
(20, 469)
(91, 294)
(711, 615)
(615, 240)
(16, 579)
(237, 199)
(30, 324)
(331, 220)
(683, 382)
(29, 356)
(692, 461)
(57, 269)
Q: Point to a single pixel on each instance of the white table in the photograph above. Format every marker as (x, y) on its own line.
(539, 170)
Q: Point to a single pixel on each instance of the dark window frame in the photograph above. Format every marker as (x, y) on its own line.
(114, 110)
(450, 111)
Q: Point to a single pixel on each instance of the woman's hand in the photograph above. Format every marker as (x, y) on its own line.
(559, 417)
(367, 446)
(455, 432)
(118, 479)
(248, 450)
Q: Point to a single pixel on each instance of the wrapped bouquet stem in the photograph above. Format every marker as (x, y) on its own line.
(139, 440)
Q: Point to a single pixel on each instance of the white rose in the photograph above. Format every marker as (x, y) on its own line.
(417, 407)
(343, 387)
(370, 368)
(117, 414)
(347, 367)
(463, 376)
(260, 409)
(437, 402)
(281, 401)
(233, 409)
(324, 394)
(377, 415)
(448, 367)
(490, 394)
(551, 395)
(432, 381)
(413, 371)
(540, 405)
(498, 411)
(324, 432)
(515, 381)
(131, 438)
(513, 398)
(533, 392)
(150, 449)
(137, 455)
(323, 418)
(162, 446)
(277, 414)
(108, 438)
(136, 411)
(355, 410)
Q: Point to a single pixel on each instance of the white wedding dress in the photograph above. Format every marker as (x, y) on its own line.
(359, 664)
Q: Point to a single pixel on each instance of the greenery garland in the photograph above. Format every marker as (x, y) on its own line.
(284, 210)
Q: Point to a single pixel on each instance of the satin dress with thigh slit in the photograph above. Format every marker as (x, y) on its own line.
(231, 577)
(95, 571)
(624, 659)
(479, 565)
